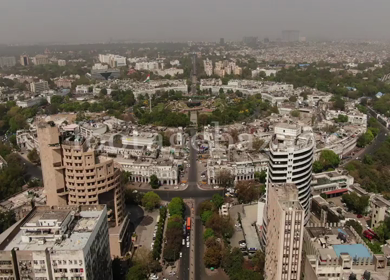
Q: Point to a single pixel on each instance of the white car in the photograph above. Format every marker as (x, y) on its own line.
(216, 187)
(181, 254)
(176, 187)
(153, 277)
(188, 238)
(188, 244)
(183, 242)
(151, 245)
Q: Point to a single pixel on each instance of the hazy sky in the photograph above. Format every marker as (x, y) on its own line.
(98, 20)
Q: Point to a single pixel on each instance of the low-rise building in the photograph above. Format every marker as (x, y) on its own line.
(29, 102)
(166, 170)
(40, 59)
(67, 242)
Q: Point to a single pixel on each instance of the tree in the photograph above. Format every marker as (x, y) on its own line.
(206, 206)
(176, 207)
(295, 113)
(293, 98)
(103, 91)
(367, 159)
(365, 139)
(206, 216)
(7, 219)
(154, 182)
(33, 156)
(356, 203)
(342, 118)
(339, 104)
(137, 272)
(221, 225)
(261, 176)
(217, 200)
(225, 178)
(247, 191)
(258, 262)
(212, 257)
(208, 233)
(151, 200)
(357, 227)
(328, 160)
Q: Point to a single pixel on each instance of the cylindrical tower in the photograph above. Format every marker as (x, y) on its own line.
(291, 153)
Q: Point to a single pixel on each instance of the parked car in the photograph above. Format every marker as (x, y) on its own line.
(181, 254)
(188, 244)
(359, 216)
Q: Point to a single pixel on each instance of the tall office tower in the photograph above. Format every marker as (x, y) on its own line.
(290, 36)
(74, 175)
(51, 243)
(291, 153)
(284, 234)
(222, 41)
(24, 60)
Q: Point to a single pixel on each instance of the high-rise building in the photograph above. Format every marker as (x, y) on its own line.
(24, 60)
(40, 59)
(51, 243)
(250, 40)
(222, 41)
(290, 36)
(38, 87)
(284, 233)
(74, 175)
(7, 61)
(291, 152)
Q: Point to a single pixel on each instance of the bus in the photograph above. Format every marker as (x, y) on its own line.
(188, 223)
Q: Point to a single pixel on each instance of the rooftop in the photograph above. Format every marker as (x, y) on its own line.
(57, 228)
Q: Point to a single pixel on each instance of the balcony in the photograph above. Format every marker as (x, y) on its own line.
(58, 165)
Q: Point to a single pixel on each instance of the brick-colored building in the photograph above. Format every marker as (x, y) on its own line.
(284, 234)
(74, 175)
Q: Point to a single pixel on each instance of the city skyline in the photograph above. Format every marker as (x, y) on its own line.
(177, 21)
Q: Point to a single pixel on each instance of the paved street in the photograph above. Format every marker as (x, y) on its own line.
(31, 169)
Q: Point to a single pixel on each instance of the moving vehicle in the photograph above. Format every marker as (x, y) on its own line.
(369, 234)
(188, 244)
(181, 254)
(188, 223)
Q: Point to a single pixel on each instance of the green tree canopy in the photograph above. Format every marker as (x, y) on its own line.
(154, 182)
(176, 207)
(150, 201)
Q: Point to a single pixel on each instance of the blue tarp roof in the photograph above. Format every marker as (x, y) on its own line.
(354, 250)
(340, 230)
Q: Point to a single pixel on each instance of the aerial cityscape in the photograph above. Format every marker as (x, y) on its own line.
(263, 154)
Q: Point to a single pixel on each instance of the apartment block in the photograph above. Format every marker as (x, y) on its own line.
(284, 233)
(379, 207)
(40, 59)
(61, 62)
(51, 243)
(38, 87)
(7, 61)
